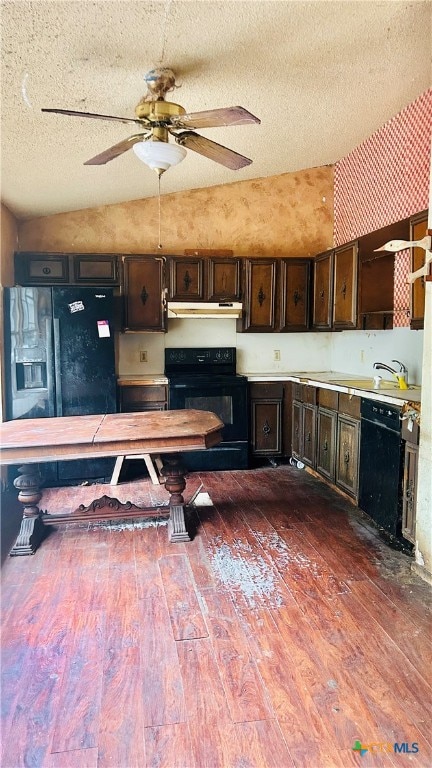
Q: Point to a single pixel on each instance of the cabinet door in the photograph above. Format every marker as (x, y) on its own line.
(323, 291)
(296, 440)
(376, 276)
(223, 279)
(186, 279)
(409, 498)
(326, 443)
(309, 434)
(144, 284)
(418, 229)
(347, 454)
(345, 287)
(260, 295)
(96, 269)
(295, 290)
(41, 268)
(266, 427)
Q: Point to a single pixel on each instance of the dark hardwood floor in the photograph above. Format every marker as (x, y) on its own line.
(282, 634)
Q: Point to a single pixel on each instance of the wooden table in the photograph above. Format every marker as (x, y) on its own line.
(29, 441)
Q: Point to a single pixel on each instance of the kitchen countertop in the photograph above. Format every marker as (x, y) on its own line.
(329, 379)
(325, 379)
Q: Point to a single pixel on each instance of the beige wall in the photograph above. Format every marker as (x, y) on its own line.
(8, 243)
(287, 215)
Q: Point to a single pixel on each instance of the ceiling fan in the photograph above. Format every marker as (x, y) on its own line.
(159, 119)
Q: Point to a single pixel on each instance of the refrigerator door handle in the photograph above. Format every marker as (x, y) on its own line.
(50, 361)
(58, 384)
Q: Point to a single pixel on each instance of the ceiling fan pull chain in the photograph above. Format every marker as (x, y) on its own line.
(159, 211)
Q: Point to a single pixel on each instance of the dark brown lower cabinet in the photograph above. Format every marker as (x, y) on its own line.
(296, 440)
(309, 434)
(266, 417)
(304, 419)
(409, 497)
(347, 454)
(326, 443)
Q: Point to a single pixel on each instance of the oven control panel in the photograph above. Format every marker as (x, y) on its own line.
(200, 359)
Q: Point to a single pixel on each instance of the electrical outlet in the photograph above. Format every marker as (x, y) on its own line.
(276, 354)
(143, 356)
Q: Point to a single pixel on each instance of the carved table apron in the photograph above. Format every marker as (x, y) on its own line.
(29, 441)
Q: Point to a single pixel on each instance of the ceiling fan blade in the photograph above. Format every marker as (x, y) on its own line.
(213, 118)
(72, 113)
(117, 149)
(212, 150)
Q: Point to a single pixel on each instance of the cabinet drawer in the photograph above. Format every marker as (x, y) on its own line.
(136, 395)
(261, 390)
(309, 394)
(328, 398)
(297, 391)
(349, 404)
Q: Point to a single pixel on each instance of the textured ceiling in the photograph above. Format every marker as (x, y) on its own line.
(322, 76)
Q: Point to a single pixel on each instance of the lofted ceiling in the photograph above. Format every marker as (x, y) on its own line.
(322, 76)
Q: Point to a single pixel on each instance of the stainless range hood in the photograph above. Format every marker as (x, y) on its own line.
(199, 309)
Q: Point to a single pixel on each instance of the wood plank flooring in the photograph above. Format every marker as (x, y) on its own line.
(281, 635)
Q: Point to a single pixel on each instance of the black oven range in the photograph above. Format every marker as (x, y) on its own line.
(205, 378)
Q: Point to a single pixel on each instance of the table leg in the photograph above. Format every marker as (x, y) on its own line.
(175, 483)
(32, 529)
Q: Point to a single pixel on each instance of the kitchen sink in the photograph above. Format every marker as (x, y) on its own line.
(369, 385)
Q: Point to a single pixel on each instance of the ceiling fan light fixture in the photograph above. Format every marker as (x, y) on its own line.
(159, 155)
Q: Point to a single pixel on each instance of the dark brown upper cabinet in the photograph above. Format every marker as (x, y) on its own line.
(260, 295)
(345, 287)
(186, 279)
(145, 293)
(295, 293)
(70, 268)
(376, 276)
(323, 291)
(96, 269)
(418, 229)
(223, 279)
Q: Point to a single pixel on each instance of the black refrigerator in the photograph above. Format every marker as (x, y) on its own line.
(60, 361)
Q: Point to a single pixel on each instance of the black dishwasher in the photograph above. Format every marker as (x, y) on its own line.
(381, 467)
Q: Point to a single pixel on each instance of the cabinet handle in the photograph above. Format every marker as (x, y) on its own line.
(164, 299)
(261, 296)
(325, 446)
(308, 437)
(296, 297)
(187, 280)
(346, 457)
(343, 289)
(266, 428)
(144, 294)
(322, 294)
(46, 270)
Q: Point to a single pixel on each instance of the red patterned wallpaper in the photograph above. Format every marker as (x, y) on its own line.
(386, 178)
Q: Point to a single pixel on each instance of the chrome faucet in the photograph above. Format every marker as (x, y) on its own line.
(402, 367)
(382, 366)
(401, 375)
